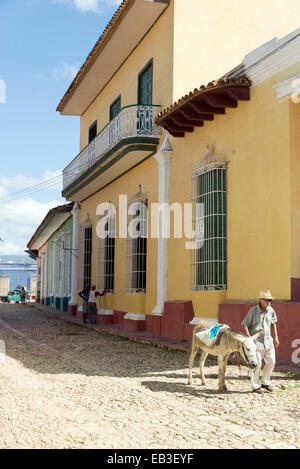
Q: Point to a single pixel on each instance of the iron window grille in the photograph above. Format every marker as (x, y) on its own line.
(106, 256)
(85, 255)
(136, 247)
(208, 266)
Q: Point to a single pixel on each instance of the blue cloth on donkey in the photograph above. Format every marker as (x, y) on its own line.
(210, 336)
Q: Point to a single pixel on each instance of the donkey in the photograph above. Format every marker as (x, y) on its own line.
(228, 342)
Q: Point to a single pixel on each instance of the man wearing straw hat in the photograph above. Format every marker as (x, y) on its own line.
(263, 317)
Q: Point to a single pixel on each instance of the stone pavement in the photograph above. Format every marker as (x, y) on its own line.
(64, 386)
(146, 337)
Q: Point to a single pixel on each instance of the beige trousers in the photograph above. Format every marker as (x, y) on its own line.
(268, 355)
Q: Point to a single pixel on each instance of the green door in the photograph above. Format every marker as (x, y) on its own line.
(145, 99)
(114, 128)
(145, 86)
(115, 108)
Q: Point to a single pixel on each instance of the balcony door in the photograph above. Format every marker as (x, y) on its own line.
(146, 85)
(145, 94)
(93, 131)
(114, 128)
(92, 146)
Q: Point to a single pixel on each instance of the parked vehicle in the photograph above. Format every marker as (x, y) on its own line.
(13, 296)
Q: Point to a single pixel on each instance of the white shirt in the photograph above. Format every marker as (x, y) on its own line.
(92, 297)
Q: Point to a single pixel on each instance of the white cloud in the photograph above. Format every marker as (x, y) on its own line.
(20, 182)
(65, 71)
(95, 6)
(19, 220)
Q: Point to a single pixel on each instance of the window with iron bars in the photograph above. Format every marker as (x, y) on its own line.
(209, 259)
(106, 257)
(85, 255)
(136, 249)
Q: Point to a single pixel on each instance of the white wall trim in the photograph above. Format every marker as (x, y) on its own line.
(163, 158)
(135, 317)
(271, 58)
(75, 244)
(197, 320)
(105, 312)
(287, 87)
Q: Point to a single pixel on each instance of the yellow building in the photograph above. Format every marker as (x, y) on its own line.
(150, 54)
(248, 181)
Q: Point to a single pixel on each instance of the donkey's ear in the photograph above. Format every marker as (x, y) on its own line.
(256, 335)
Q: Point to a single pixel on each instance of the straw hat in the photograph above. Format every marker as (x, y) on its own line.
(265, 295)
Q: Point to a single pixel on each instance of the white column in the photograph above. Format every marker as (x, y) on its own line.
(46, 274)
(61, 266)
(75, 255)
(67, 260)
(39, 281)
(163, 158)
(54, 272)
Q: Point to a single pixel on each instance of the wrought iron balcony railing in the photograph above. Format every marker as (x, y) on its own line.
(132, 121)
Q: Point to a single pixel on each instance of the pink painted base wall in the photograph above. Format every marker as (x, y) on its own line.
(72, 310)
(174, 324)
(105, 319)
(119, 317)
(288, 314)
(132, 325)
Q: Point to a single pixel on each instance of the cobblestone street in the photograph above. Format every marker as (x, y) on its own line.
(66, 386)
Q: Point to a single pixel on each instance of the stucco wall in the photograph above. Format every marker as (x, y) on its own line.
(255, 140)
(212, 37)
(295, 188)
(146, 175)
(157, 45)
(194, 44)
(64, 228)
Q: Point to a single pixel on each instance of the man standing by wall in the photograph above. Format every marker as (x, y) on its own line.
(263, 317)
(92, 304)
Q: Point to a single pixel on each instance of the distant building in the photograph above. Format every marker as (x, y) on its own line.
(16, 271)
(51, 246)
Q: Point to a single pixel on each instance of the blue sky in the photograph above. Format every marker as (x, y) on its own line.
(42, 45)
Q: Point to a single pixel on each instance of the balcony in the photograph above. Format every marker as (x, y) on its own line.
(132, 130)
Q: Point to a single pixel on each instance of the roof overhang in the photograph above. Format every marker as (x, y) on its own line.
(53, 220)
(130, 23)
(33, 254)
(203, 104)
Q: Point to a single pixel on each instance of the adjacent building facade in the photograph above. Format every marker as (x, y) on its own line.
(52, 245)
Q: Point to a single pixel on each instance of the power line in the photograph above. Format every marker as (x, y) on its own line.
(47, 184)
(42, 185)
(29, 191)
